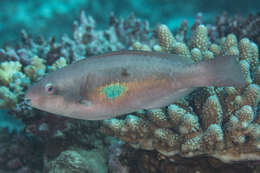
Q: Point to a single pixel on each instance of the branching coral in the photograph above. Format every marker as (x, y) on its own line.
(240, 26)
(36, 69)
(215, 121)
(220, 122)
(13, 82)
(7, 70)
(7, 98)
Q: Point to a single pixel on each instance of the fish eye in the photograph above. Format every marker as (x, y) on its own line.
(49, 88)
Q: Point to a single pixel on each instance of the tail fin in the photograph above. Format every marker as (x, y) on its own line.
(220, 71)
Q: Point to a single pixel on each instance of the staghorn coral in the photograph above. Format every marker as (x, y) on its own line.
(166, 38)
(221, 122)
(200, 38)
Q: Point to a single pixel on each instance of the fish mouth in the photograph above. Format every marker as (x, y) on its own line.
(28, 101)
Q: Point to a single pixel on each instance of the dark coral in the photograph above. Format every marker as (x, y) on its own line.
(140, 161)
(19, 153)
(240, 26)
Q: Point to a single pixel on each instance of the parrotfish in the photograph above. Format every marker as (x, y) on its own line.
(118, 83)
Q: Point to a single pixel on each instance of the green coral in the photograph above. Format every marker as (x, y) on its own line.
(200, 38)
(61, 62)
(139, 46)
(8, 99)
(7, 71)
(13, 82)
(36, 69)
(16, 78)
(230, 41)
(166, 38)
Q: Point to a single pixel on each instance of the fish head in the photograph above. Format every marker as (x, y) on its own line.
(52, 94)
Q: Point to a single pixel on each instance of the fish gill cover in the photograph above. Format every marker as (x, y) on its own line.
(186, 136)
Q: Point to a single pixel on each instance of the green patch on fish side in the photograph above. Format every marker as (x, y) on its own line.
(113, 91)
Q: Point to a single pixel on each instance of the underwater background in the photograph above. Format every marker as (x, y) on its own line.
(54, 18)
(212, 130)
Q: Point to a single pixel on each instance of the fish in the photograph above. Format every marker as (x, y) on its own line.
(116, 83)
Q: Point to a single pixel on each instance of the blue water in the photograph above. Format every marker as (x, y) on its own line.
(54, 17)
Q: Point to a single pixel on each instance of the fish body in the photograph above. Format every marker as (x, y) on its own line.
(117, 83)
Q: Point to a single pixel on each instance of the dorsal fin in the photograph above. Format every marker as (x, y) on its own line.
(179, 58)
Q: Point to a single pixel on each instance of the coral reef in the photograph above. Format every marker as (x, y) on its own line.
(140, 161)
(53, 17)
(77, 161)
(18, 154)
(36, 57)
(63, 138)
(221, 122)
(241, 26)
(12, 81)
(214, 121)
(238, 25)
(115, 151)
(33, 58)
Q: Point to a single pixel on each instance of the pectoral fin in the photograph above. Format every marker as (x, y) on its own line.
(85, 102)
(83, 97)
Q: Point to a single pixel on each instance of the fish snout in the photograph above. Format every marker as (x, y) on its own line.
(31, 96)
(28, 99)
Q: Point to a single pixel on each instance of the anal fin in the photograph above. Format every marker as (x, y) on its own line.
(171, 98)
